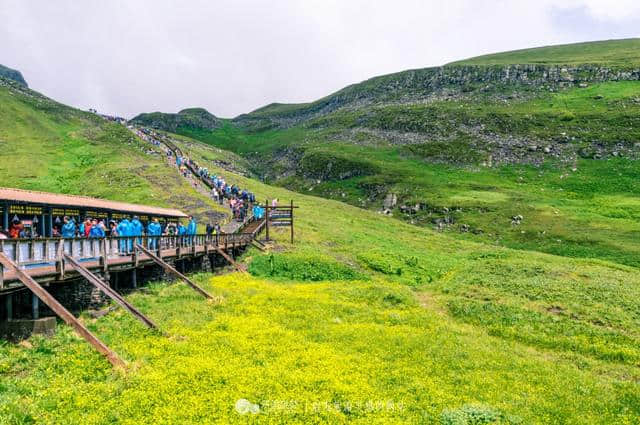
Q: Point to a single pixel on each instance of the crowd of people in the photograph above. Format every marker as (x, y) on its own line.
(240, 201)
(67, 228)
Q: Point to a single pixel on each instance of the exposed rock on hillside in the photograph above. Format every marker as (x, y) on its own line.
(12, 74)
(436, 83)
(192, 118)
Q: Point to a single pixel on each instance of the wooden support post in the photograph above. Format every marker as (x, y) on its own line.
(8, 304)
(135, 258)
(266, 217)
(170, 269)
(104, 287)
(35, 307)
(231, 261)
(104, 257)
(134, 278)
(292, 222)
(60, 259)
(62, 312)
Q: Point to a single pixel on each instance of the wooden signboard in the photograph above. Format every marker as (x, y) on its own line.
(279, 216)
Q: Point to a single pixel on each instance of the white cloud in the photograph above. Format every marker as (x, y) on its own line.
(232, 56)
(611, 9)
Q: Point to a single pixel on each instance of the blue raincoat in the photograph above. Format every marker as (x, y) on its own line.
(69, 229)
(124, 229)
(96, 232)
(136, 229)
(154, 229)
(192, 227)
(181, 229)
(191, 230)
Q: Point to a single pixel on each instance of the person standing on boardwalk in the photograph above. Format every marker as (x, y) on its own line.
(69, 228)
(123, 231)
(136, 229)
(96, 231)
(192, 227)
(154, 230)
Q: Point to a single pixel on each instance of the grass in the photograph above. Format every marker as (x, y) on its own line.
(50, 147)
(586, 213)
(367, 318)
(614, 53)
(432, 329)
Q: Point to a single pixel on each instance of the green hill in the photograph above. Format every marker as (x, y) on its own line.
(52, 147)
(614, 53)
(464, 148)
(198, 118)
(12, 74)
(367, 318)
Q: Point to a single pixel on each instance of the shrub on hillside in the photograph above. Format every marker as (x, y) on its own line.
(472, 414)
(302, 267)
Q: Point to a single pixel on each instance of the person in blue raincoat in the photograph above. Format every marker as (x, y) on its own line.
(154, 229)
(123, 230)
(182, 231)
(136, 228)
(69, 228)
(192, 227)
(96, 231)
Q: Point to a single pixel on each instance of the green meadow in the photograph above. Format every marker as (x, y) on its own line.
(582, 208)
(51, 147)
(452, 313)
(364, 319)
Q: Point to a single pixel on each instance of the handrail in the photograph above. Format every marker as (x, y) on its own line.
(27, 252)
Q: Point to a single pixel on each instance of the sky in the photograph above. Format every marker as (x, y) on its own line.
(124, 57)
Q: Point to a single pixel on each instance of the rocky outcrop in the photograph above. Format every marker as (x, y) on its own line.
(192, 118)
(12, 74)
(424, 84)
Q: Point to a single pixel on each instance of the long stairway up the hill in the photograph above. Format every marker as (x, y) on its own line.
(231, 225)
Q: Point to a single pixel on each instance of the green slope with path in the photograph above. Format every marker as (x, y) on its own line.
(472, 146)
(51, 147)
(365, 319)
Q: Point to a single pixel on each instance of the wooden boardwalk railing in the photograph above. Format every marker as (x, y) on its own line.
(45, 257)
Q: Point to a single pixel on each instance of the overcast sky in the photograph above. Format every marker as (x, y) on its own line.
(232, 56)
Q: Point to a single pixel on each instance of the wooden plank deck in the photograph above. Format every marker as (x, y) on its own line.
(49, 272)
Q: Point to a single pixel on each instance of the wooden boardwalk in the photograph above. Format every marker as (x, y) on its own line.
(43, 259)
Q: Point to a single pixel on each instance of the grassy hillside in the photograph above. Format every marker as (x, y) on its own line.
(573, 203)
(187, 118)
(467, 147)
(365, 319)
(615, 53)
(12, 74)
(51, 147)
(368, 318)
